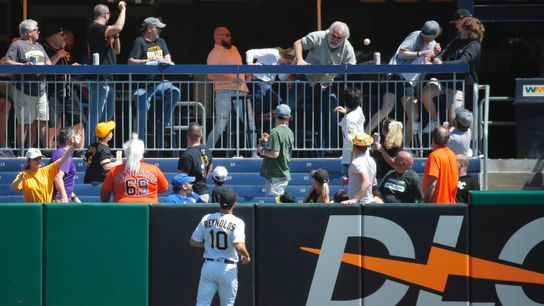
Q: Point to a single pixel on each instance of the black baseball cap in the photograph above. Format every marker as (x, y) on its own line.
(460, 14)
(320, 175)
(227, 197)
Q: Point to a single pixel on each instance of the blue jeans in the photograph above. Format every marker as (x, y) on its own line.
(169, 95)
(101, 106)
(226, 100)
(321, 110)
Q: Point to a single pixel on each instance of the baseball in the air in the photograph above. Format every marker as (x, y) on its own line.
(366, 41)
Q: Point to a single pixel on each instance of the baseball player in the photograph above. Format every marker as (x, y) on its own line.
(223, 238)
(134, 181)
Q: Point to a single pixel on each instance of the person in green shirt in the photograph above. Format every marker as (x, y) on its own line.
(276, 150)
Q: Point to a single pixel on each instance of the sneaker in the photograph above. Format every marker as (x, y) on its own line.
(255, 155)
(432, 124)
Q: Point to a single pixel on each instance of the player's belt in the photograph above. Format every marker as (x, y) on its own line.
(220, 260)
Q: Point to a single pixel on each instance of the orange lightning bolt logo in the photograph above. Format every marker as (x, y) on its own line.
(441, 263)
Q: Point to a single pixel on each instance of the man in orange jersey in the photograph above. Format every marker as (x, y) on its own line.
(134, 181)
(441, 172)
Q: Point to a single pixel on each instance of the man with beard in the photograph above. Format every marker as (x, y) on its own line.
(149, 48)
(182, 190)
(329, 47)
(230, 90)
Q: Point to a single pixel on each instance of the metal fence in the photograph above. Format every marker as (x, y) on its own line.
(159, 109)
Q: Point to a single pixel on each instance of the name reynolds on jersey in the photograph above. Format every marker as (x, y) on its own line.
(140, 173)
(220, 223)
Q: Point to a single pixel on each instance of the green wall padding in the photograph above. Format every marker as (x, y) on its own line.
(21, 254)
(96, 255)
(507, 197)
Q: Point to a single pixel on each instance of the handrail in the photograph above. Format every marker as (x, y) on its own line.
(203, 69)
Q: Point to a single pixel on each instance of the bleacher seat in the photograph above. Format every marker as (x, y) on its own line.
(243, 173)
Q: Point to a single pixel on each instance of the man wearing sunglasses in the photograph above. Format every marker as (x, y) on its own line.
(30, 95)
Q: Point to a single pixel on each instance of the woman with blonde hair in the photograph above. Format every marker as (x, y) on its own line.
(385, 151)
(319, 192)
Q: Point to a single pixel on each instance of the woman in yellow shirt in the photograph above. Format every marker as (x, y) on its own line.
(36, 181)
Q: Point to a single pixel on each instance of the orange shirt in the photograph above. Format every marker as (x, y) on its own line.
(223, 56)
(442, 164)
(140, 187)
(38, 187)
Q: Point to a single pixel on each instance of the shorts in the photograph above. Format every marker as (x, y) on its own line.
(65, 111)
(398, 86)
(275, 188)
(30, 108)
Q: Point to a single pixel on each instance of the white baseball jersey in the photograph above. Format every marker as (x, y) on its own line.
(220, 232)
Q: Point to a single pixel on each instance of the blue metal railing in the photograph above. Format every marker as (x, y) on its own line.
(307, 122)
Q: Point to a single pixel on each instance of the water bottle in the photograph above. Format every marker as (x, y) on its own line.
(96, 59)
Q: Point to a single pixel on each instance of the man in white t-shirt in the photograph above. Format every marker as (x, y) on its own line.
(222, 236)
(361, 172)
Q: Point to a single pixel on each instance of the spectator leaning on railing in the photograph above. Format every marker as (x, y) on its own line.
(36, 181)
(329, 47)
(30, 97)
(416, 48)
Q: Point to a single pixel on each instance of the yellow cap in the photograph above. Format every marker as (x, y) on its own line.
(104, 128)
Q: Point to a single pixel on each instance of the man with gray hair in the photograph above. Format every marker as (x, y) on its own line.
(150, 49)
(104, 41)
(29, 96)
(329, 47)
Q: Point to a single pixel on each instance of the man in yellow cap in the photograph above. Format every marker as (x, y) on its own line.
(361, 172)
(98, 156)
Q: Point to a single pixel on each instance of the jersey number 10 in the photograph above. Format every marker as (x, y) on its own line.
(219, 240)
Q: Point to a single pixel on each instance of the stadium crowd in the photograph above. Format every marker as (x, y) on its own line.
(376, 168)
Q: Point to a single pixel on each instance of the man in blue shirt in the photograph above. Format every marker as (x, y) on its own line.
(183, 190)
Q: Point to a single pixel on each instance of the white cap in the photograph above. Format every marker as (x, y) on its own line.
(33, 153)
(220, 174)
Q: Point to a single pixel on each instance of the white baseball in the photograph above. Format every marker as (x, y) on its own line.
(366, 41)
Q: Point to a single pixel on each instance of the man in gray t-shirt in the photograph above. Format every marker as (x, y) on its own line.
(329, 47)
(29, 96)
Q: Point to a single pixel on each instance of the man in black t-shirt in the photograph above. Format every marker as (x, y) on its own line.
(401, 185)
(98, 157)
(150, 49)
(104, 40)
(466, 182)
(64, 104)
(196, 160)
